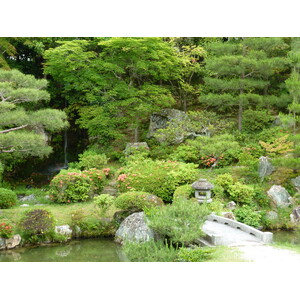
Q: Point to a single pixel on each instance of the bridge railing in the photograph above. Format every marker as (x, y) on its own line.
(265, 237)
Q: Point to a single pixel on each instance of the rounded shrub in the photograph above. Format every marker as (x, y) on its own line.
(136, 200)
(159, 177)
(76, 186)
(195, 255)
(7, 198)
(104, 202)
(183, 192)
(247, 215)
(37, 225)
(6, 230)
(240, 192)
(91, 159)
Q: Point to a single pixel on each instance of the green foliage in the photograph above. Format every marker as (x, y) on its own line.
(199, 122)
(150, 251)
(183, 192)
(37, 225)
(24, 124)
(7, 198)
(76, 186)
(160, 178)
(280, 146)
(6, 230)
(180, 222)
(195, 254)
(241, 193)
(235, 190)
(220, 150)
(247, 215)
(137, 200)
(90, 159)
(104, 202)
(256, 120)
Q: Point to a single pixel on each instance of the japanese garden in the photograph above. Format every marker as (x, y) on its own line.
(137, 148)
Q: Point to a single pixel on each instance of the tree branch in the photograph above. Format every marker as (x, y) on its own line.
(12, 129)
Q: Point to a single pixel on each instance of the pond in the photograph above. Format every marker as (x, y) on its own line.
(86, 250)
(291, 237)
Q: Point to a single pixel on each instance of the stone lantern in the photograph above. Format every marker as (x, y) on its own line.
(203, 190)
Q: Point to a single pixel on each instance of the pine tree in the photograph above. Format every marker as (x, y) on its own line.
(24, 126)
(242, 73)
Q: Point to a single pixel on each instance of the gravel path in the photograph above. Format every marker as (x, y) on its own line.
(267, 254)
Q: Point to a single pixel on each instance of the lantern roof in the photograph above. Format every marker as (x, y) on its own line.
(202, 184)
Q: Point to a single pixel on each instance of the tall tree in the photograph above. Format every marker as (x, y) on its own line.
(123, 79)
(24, 125)
(245, 72)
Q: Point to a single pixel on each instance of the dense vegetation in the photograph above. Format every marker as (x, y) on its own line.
(241, 101)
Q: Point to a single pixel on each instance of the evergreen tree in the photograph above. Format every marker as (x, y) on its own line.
(24, 125)
(245, 72)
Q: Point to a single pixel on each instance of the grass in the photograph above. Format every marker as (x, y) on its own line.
(62, 213)
(287, 246)
(226, 254)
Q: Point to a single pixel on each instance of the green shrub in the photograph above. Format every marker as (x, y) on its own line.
(205, 151)
(160, 178)
(241, 193)
(137, 200)
(6, 230)
(76, 186)
(37, 225)
(184, 192)
(7, 198)
(90, 159)
(150, 251)
(1, 172)
(195, 255)
(247, 215)
(256, 120)
(180, 222)
(225, 180)
(104, 202)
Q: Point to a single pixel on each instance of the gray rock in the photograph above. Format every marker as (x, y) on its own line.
(295, 215)
(134, 229)
(231, 205)
(271, 215)
(13, 242)
(64, 230)
(47, 197)
(24, 205)
(228, 215)
(296, 183)
(265, 167)
(159, 120)
(279, 196)
(2, 243)
(27, 198)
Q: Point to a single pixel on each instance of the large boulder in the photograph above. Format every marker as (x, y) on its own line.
(134, 147)
(159, 120)
(296, 183)
(2, 243)
(64, 230)
(134, 229)
(295, 215)
(27, 198)
(13, 241)
(265, 167)
(279, 196)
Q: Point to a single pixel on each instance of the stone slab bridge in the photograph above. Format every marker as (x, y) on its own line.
(224, 231)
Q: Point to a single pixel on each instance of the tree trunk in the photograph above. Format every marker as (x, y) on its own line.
(240, 125)
(136, 133)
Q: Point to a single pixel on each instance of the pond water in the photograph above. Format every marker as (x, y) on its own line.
(291, 237)
(87, 250)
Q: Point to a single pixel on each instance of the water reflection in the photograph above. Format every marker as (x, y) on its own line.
(91, 250)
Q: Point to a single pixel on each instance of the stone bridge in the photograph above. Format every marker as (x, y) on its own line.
(224, 231)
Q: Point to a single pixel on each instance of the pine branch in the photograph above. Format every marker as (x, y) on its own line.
(12, 129)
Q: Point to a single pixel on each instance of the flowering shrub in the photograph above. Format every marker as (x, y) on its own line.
(37, 225)
(156, 177)
(76, 186)
(91, 159)
(7, 198)
(137, 200)
(6, 230)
